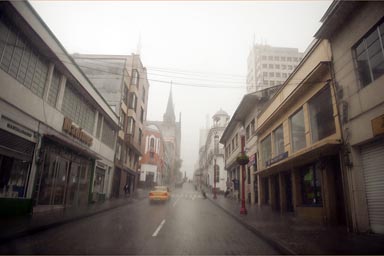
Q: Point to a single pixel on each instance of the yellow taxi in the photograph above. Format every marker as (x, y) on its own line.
(159, 194)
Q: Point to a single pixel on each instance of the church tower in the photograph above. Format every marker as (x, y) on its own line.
(169, 116)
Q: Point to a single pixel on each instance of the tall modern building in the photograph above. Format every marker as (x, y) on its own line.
(122, 81)
(269, 66)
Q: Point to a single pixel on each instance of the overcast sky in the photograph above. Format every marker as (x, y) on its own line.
(199, 45)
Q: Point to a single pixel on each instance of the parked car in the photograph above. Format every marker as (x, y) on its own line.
(159, 194)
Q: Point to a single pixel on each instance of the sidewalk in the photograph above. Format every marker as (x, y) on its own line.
(294, 236)
(12, 228)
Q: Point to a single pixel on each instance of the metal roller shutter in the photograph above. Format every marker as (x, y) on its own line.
(15, 146)
(373, 165)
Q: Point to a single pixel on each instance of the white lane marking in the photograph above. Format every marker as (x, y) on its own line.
(175, 202)
(158, 228)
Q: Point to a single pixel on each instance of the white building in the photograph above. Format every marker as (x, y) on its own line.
(269, 66)
(214, 153)
(57, 134)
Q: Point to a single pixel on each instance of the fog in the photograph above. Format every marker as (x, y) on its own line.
(202, 47)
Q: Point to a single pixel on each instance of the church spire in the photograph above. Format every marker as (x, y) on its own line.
(169, 115)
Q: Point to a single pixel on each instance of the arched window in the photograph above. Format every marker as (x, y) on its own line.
(152, 143)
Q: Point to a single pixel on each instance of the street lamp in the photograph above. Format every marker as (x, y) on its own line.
(216, 140)
(242, 160)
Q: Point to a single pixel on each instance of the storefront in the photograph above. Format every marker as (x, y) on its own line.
(63, 176)
(17, 146)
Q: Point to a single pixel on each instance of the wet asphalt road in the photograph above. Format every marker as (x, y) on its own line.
(187, 224)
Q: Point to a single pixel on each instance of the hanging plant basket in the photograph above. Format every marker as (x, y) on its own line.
(242, 159)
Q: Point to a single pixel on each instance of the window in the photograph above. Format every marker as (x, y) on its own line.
(265, 65)
(271, 74)
(265, 74)
(277, 58)
(132, 101)
(278, 74)
(140, 135)
(142, 115)
(131, 126)
(217, 173)
(311, 186)
(98, 128)
(78, 109)
(152, 144)
(270, 57)
(237, 140)
(321, 115)
(282, 58)
(295, 59)
(54, 89)
(247, 134)
(289, 58)
(264, 57)
(143, 96)
(284, 75)
(108, 135)
(270, 66)
(233, 144)
(277, 66)
(21, 61)
(370, 55)
(283, 66)
(118, 151)
(135, 77)
(265, 82)
(278, 139)
(297, 131)
(266, 150)
(125, 94)
(252, 126)
(290, 67)
(271, 83)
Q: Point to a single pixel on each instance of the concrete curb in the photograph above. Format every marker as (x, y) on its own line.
(37, 229)
(278, 245)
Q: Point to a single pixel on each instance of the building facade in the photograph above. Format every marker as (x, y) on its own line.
(122, 81)
(299, 141)
(356, 33)
(269, 66)
(57, 133)
(213, 153)
(152, 162)
(170, 130)
(244, 120)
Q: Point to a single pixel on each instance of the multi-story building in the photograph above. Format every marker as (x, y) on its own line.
(122, 81)
(356, 33)
(244, 120)
(213, 153)
(57, 134)
(299, 141)
(152, 161)
(171, 133)
(269, 66)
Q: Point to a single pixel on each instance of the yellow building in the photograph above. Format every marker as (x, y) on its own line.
(299, 140)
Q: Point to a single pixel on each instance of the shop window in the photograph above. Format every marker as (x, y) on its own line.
(369, 54)
(266, 150)
(297, 131)
(13, 177)
(278, 140)
(321, 115)
(311, 186)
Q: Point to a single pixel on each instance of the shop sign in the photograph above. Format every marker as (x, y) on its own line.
(252, 160)
(101, 165)
(76, 132)
(378, 125)
(18, 129)
(277, 158)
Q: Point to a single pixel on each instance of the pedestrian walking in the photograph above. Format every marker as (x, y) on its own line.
(126, 189)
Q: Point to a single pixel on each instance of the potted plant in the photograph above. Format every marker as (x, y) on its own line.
(242, 159)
